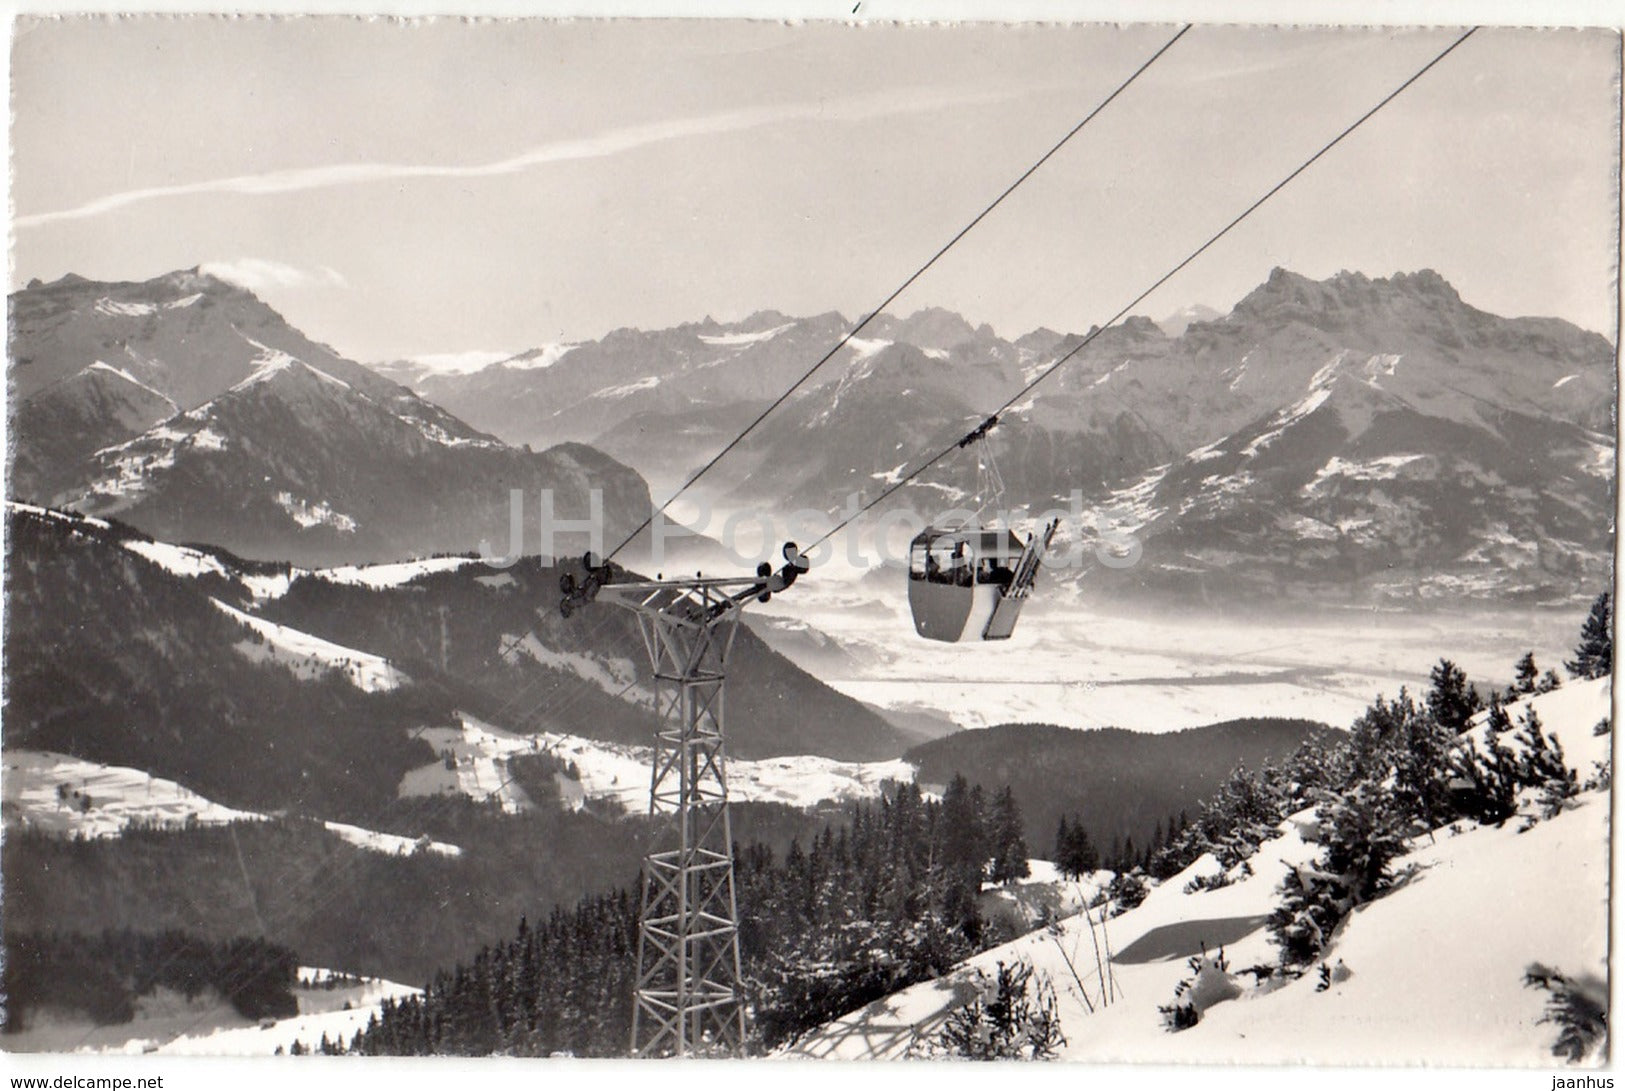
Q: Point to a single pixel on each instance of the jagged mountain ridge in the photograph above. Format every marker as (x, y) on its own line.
(1130, 403)
(188, 335)
(195, 412)
(1191, 389)
(576, 392)
(1357, 491)
(1514, 414)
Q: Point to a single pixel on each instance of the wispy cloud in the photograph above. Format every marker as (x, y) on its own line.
(602, 145)
(258, 274)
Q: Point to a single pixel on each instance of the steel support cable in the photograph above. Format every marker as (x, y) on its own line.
(1158, 283)
(1070, 354)
(873, 314)
(876, 312)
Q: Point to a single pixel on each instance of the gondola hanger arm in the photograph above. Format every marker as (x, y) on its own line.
(980, 431)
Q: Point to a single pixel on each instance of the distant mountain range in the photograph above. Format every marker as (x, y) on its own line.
(1350, 439)
(1353, 437)
(195, 412)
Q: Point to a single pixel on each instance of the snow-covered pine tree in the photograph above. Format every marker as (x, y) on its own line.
(1594, 655)
(1450, 699)
(1012, 1017)
(1127, 890)
(1543, 766)
(1241, 815)
(1362, 832)
(1499, 721)
(1488, 780)
(1525, 673)
(1400, 739)
(1320, 761)
(1210, 983)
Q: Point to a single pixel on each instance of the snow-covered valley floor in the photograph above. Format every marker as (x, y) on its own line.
(1085, 667)
(479, 752)
(1435, 966)
(68, 797)
(207, 1025)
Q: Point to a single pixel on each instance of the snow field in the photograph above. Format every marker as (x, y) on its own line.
(620, 772)
(1044, 894)
(311, 657)
(120, 796)
(46, 513)
(740, 339)
(314, 513)
(1434, 967)
(189, 562)
(382, 577)
(180, 560)
(208, 1025)
(479, 752)
(613, 675)
(1081, 666)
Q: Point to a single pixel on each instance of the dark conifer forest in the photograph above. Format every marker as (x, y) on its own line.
(868, 906)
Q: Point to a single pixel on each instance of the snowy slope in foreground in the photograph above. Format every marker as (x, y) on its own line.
(208, 1026)
(1436, 965)
(33, 793)
(1045, 894)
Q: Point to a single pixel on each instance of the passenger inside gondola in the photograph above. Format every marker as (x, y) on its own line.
(961, 566)
(969, 583)
(992, 570)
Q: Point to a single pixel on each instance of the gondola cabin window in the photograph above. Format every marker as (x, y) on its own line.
(944, 560)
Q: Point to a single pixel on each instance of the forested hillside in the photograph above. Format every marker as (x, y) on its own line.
(1122, 785)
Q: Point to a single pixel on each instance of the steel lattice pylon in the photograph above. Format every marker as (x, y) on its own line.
(688, 998)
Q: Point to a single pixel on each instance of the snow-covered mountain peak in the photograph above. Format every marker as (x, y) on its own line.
(273, 363)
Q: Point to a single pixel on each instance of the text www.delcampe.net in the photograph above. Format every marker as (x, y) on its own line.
(88, 1083)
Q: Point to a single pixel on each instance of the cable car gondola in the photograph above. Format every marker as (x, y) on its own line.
(969, 582)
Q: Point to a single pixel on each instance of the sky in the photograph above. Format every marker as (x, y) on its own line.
(408, 188)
